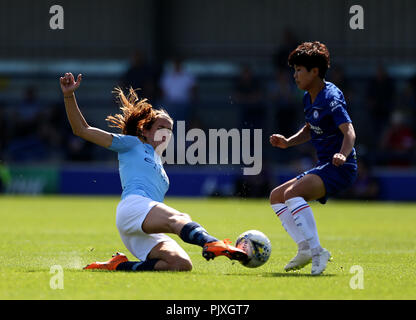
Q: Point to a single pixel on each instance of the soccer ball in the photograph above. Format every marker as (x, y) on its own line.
(256, 245)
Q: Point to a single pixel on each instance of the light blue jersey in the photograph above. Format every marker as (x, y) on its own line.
(140, 167)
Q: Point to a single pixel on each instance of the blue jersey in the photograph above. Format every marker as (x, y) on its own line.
(140, 167)
(324, 116)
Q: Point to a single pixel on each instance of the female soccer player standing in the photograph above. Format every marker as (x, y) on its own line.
(142, 218)
(331, 132)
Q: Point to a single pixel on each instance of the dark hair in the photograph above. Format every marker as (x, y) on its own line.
(311, 55)
(138, 114)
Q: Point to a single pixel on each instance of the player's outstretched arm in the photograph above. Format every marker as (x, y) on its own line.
(79, 126)
(302, 136)
(348, 131)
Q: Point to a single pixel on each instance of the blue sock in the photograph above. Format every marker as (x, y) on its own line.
(193, 233)
(147, 265)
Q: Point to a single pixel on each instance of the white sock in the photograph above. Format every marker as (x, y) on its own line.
(285, 216)
(305, 222)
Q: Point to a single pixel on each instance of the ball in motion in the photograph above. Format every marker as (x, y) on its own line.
(256, 245)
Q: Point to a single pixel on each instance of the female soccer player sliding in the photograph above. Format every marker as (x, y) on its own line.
(142, 218)
(330, 130)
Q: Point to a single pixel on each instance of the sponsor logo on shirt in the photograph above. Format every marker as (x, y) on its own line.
(333, 103)
(316, 129)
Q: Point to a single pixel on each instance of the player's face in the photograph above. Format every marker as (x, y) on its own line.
(160, 134)
(303, 77)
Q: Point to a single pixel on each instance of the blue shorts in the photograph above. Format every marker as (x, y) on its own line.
(335, 178)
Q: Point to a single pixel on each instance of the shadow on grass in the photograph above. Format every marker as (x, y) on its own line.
(281, 275)
(295, 274)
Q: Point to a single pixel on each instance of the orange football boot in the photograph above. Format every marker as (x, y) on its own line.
(223, 248)
(111, 264)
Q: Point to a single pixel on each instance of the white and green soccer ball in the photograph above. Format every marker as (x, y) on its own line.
(256, 245)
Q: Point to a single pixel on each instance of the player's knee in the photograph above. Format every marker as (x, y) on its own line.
(177, 263)
(176, 221)
(186, 217)
(271, 197)
(289, 193)
(179, 218)
(276, 196)
(183, 265)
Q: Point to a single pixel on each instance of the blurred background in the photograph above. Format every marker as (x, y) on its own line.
(214, 64)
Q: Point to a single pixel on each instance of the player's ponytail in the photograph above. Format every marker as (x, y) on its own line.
(137, 114)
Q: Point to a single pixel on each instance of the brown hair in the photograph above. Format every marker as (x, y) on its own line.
(138, 114)
(311, 55)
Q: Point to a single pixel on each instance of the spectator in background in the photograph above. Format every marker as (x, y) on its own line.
(28, 114)
(79, 150)
(5, 177)
(289, 41)
(249, 96)
(337, 76)
(25, 142)
(411, 92)
(140, 75)
(76, 149)
(4, 131)
(398, 142)
(282, 97)
(366, 187)
(380, 96)
(257, 186)
(53, 130)
(407, 99)
(361, 117)
(178, 90)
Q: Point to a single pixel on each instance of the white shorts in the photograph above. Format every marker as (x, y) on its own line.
(131, 213)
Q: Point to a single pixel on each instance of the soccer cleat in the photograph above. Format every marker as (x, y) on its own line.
(214, 249)
(111, 264)
(303, 258)
(319, 262)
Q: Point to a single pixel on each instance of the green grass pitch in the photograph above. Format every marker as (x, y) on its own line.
(39, 232)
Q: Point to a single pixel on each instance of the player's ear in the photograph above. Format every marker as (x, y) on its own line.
(315, 71)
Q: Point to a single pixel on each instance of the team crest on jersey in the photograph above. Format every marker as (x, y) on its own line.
(316, 114)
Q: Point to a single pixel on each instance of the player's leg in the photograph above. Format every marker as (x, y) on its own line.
(164, 219)
(308, 188)
(159, 252)
(154, 251)
(166, 255)
(277, 201)
(171, 257)
(278, 194)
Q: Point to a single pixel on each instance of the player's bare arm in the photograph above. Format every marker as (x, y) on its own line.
(77, 121)
(348, 131)
(302, 136)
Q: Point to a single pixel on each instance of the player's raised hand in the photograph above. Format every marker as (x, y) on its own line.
(279, 141)
(68, 84)
(338, 159)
